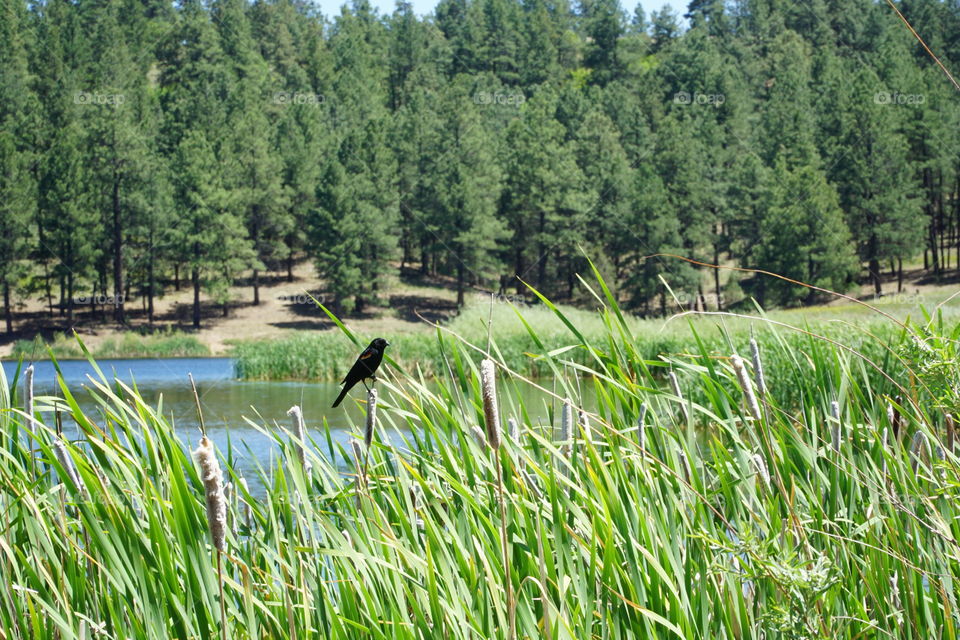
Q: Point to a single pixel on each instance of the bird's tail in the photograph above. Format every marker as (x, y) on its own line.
(343, 394)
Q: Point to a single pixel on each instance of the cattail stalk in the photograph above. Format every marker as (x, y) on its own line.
(566, 428)
(758, 368)
(213, 488)
(66, 461)
(642, 427)
(371, 418)
(357, 449)
(28, 393)
(762, 472)
(300, 432)
(741, 370)
(491, 413)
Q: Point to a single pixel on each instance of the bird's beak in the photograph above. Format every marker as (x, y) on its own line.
(386, 344)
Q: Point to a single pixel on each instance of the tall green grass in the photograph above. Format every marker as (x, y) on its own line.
(533, 329)
(172, 344)
(797, 525)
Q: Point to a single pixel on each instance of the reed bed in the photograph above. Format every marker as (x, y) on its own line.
(729, 522)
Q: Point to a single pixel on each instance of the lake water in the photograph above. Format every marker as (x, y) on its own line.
(227, 403)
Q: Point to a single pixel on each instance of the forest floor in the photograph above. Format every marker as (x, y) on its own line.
(287, 307)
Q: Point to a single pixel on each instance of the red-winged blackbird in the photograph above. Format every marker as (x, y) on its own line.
(365, 367)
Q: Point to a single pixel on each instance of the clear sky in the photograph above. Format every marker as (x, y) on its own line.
(331, 8)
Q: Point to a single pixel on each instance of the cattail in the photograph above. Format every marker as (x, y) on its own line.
(491, 414)
(66, 461)
(566, 428)
(213, 487)
(479, 435)
(675, 385)
(301, 433)
(951, 433)
(642, 427)
(897, 418)
(246, 505)
(758, 367)
(762, 470)
(371, 417)
(513, 429)
(358, 461)
(741, 371)
(584, 421)
(919, 450)
(28, 387)
(835, 415)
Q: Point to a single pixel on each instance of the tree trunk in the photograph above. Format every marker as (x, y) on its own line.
(541, 251)
(176, 277)
(460, 297)
(195, 276)
(899, 275)
(716, 277)
(256, 288)
(70, 299)
(118, 288)
(290, 267)
(150, 279)
(8, 314)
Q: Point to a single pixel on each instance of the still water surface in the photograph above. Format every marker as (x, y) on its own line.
(227, 403)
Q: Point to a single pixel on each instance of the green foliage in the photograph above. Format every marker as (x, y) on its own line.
(715, 525)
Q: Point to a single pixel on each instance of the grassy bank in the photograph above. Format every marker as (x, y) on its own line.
(821, 509)
(524, 331)
(172, 344)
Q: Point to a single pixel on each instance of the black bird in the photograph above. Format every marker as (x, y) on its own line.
(365, 367)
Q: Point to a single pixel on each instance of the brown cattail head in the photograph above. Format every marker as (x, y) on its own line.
(299, 430)
(491, 413)
(28, 395)
(371, 417)
(758, 367)
(213, 488)
(741, 370)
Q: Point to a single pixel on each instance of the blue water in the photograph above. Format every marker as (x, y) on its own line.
(228, 405)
